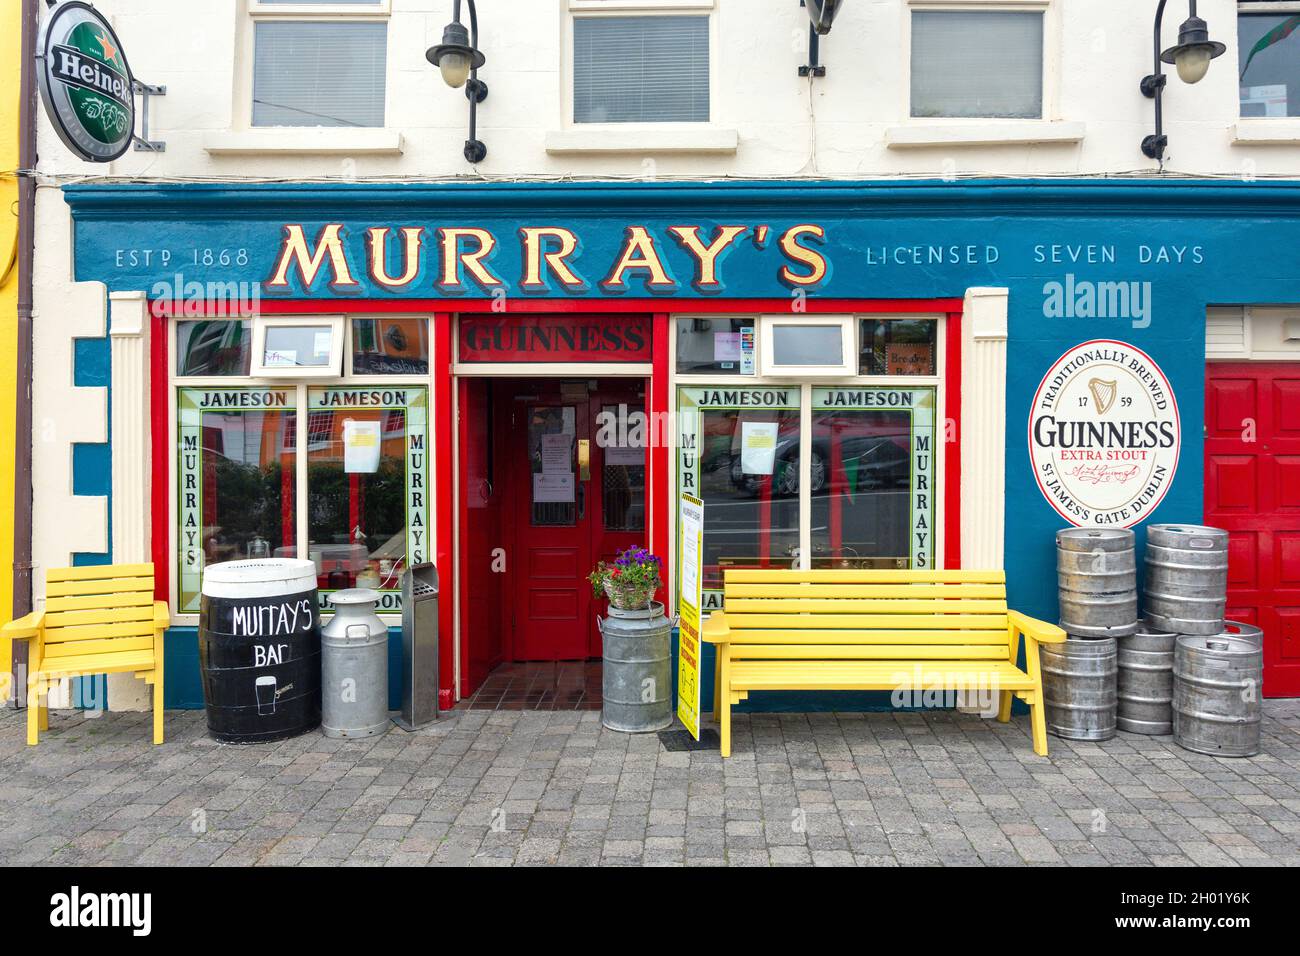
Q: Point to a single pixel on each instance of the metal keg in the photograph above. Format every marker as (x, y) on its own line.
(1247, 632)
(1146, 682)
(1079, 686)
(1097, 573)
(637, 683)
(1217, 686)
(1186, 578)
(354, 666)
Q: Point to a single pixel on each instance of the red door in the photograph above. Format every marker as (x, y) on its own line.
(575, 502)
(1252, 489)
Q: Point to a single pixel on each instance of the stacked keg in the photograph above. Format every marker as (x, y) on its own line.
(1216, 667)
(1097, 578)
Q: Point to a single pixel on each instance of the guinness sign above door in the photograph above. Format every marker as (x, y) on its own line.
(555, 338)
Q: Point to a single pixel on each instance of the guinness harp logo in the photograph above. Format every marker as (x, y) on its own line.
(1103, 393)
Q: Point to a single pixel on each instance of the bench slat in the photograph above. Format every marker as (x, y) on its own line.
(98, 616)
(865, 606)
(93, 602)
(89, 632)
(106, 586)
(97, 664)
(878, 675)
(922, 638)
(777, 590)
(103, 645)
(971, 622)
(99, 572)
(831, 576)
(870, 652)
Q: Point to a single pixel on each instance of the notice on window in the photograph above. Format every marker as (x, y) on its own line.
(279, 358)
(726, 346)
(553, 488)
(1264, 100)
(557, 455)
(361, 445)
(747, 350)
(909, 358)
(627, 455)
(758, 447)
(690, 524)
(321, 343)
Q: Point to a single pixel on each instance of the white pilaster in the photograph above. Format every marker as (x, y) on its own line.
(128, 330)
(983, 427)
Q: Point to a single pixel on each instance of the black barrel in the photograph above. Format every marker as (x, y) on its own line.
(259, 649)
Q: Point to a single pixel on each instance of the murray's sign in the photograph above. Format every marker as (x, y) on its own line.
(85, 82)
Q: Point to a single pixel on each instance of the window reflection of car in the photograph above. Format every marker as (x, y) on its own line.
(869, 462)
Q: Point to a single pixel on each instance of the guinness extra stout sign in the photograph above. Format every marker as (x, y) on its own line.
(1104, 435)
(85, 82)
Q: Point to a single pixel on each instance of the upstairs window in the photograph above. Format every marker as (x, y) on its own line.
(319, 62)
(641, 69)
(1268, 51)
(977, 64)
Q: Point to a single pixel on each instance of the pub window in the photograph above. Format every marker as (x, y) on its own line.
(214, 347)
(335, 471)
(897, 347)
(814, 347)
(398, 346)
(738, 451)
(715, 346)
(873, 476)
(796, 471)
(1268, 50)
(319, 62)
(298, 347)
(977, 63)
(641, 69)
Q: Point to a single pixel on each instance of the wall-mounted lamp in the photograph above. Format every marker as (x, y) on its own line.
(821, 14)
(1191, 56)
(458, 58)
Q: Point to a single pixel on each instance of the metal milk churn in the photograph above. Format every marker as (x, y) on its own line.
(354, 666)
(637, 673)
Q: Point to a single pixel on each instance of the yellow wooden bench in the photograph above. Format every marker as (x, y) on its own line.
(874, 630)
(97, 620)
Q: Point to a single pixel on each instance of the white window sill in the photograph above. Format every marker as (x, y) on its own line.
(302, 141)
(617, 138)
(1267, 131)
(987, 133)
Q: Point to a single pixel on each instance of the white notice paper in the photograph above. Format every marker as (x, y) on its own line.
(557, 454)
(553, 488)
(321, 343)
(361, 444)
(624, 455)
(758, 447)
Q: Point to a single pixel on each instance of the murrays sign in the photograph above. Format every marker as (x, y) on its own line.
(85, 82)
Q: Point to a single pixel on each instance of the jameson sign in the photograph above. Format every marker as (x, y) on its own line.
(1104, 435)
(85, 82)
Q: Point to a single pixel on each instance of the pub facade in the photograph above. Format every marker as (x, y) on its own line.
(928, 354)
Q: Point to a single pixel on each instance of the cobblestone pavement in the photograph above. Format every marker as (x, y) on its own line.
(500, 788)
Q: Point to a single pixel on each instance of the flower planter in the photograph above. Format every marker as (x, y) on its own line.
(637, 674)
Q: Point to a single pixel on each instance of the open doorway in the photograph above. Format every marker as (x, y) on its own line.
(553, 479)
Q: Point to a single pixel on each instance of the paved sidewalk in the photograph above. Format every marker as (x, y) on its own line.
(500, 788)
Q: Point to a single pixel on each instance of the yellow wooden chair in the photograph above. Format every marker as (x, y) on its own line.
(97, 620)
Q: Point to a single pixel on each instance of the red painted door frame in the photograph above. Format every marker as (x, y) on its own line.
(661, 480)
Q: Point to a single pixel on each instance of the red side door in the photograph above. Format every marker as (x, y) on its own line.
(1252, 489)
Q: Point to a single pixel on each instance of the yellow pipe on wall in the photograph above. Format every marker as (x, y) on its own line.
(10, 84)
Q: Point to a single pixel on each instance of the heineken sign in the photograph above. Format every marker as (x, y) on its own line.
(85, 82)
